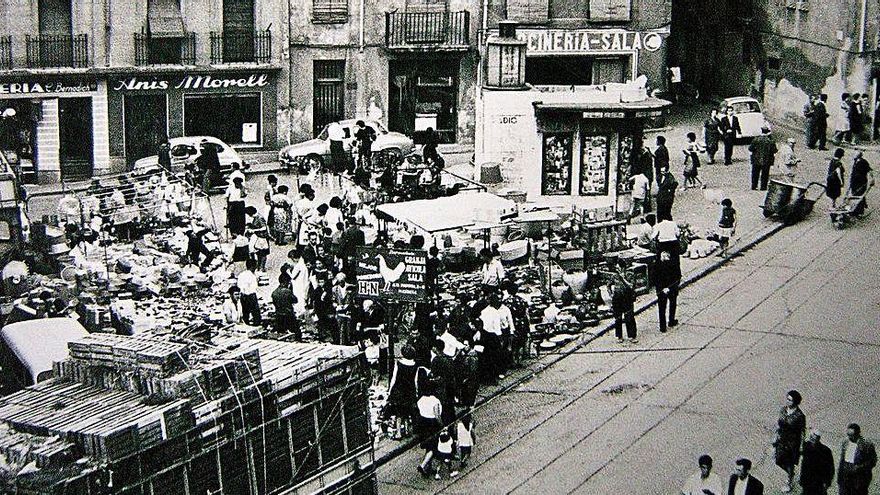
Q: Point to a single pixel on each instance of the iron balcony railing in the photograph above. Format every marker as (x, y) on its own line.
(415, 29)
(241, 47)
(57, 50)
(5, 52)
(149, 50)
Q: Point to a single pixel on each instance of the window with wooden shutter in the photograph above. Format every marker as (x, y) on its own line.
(610, 10)
(427, 5)
(329, 11)
(569, 9)
(528, 11)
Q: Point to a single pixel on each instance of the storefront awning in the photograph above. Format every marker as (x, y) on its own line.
(164, 19)
(650, 107)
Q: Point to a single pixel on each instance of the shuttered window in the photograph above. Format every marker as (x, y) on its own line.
(569, 9)
(329, 11)
(329, 92)
(528, 11)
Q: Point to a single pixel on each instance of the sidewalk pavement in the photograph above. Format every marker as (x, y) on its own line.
(700, 209)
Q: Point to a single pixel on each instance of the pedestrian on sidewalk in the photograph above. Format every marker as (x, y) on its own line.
(661, 157)
(704, 481)
(857, 459)
(712, 134)
(427, 424)
(742, 482)
(810, 119)
(640, 199)
(841, 125)
(443, 452)
(856, 118)
(646, 166)
(730, 130)
(692, 162)
(666, 186)
(248, 284)
(791, 426)
(726, 225)
(235, 213)
(861, 177)
(820, 117)
(623, 298)
(667, 279)
(788, 160)
(465, 437)
(763, 149)
(817, 466)
(835, 177)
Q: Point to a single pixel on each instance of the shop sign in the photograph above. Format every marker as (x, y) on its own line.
(391, 274)
(557, 41)
(42, 87)
(604, 115)
(192, 82)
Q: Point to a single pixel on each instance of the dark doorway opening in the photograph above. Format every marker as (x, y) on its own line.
(75, 135)
(424, 93)
(146, 121)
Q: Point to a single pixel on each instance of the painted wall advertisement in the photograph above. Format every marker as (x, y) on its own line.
(391, 274)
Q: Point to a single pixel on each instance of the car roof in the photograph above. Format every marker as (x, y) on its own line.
(740, 99)
(194, 140)
(348, 122)
(37, 343)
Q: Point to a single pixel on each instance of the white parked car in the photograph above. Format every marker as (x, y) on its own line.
(314, 153)
(748, 111)
(185, 150)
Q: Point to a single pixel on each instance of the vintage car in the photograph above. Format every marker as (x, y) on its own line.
(185, 150)
(748, 112)
(314, 153)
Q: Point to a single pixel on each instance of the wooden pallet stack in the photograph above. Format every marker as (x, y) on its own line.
(287, 416)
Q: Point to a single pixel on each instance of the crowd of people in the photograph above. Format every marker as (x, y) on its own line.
(794, 444)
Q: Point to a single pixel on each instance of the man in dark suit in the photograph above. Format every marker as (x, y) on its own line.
(666, 186)
(661, 156)
(819, 132)
(743, 483)
(817, 466)
(730, 130)
(667, 278)
(763, 150)
(857, 460)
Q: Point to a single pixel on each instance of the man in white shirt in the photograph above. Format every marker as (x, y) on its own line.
(665, 231)
(639, 193)
(236, 172)
(493, 271)
(247, 283)
(232, 306)
(703, 482)
(497, 321)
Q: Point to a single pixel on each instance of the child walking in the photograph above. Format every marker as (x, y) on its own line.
(692, 162)
(726, 225)
(465, 434)
(443, 452)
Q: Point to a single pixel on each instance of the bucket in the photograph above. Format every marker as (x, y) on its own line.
(779, 194)
(490, 173)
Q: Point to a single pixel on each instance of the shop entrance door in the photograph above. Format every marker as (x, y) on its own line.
(75, 136)
(611, 70)
(145, 125)
(329, 93)
(424, 93)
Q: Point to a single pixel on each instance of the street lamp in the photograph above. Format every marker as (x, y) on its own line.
(505, 59)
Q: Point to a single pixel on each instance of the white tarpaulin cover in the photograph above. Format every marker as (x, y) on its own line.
(450, 212)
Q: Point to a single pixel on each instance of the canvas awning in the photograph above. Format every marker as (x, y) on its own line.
(446, 213)
(164, 19)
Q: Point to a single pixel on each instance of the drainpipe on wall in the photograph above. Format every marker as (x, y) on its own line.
(107, 32)
(480, 121)
(862, 27)
(361, 13)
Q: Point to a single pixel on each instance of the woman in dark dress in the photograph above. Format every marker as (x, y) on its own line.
(859, 179)
(791, 426)
(402, 392)
(834, 179)
(711, 135)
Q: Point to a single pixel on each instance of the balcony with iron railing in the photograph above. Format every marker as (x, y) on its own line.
(150, 50)
(427, 30)
(57, 51)
(232, 47)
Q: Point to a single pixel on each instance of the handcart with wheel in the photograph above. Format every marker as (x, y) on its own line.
(852, 207)
(789, 201)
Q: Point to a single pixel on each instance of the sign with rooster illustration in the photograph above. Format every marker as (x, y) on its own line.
(397, 274)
